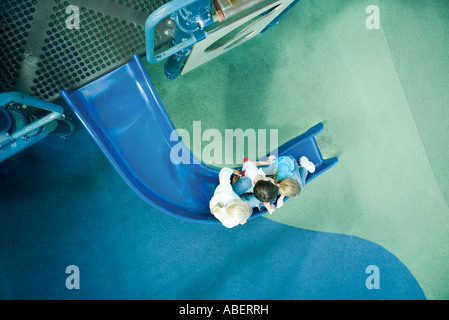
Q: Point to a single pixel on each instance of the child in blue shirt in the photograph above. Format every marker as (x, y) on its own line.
(291, 177)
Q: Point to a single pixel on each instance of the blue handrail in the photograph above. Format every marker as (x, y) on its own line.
(55, 112)
(151, 23)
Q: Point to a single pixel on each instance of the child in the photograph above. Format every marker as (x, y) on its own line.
(226, 205)
(291, 177)
(264, 189)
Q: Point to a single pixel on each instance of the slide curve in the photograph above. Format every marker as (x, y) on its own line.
(128, 121)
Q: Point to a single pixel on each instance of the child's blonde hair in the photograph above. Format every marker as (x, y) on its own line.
(238, 210)
(289, 187)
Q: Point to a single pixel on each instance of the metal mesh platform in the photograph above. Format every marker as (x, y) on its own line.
(41, 57)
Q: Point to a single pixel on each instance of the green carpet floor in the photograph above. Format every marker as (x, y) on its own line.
(383, 97)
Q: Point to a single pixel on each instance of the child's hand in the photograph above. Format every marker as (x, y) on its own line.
(270, 159)
(280, 202)
(267, 162)
(270, 207)
(237, 172)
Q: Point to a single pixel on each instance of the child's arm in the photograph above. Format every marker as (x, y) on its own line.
(225, 176)
(280, 201)
(267, 162)
(270, 207)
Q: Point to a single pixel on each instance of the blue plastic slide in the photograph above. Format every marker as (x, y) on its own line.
(126, 118)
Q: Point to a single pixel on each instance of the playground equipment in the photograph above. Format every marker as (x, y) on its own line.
(126, 118)
(193, 46)
(116, 101)
(25, 120)
(44, 54)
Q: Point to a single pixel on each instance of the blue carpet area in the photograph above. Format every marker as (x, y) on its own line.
(62, 203)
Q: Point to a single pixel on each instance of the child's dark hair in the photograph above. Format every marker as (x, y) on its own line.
(265, 191)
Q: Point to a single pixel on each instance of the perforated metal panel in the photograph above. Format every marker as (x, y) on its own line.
(40, 56)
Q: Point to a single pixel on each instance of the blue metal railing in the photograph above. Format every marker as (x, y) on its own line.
(20, 98)
(151, 23)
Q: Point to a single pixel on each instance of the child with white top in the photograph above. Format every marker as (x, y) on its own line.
(226, 205)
